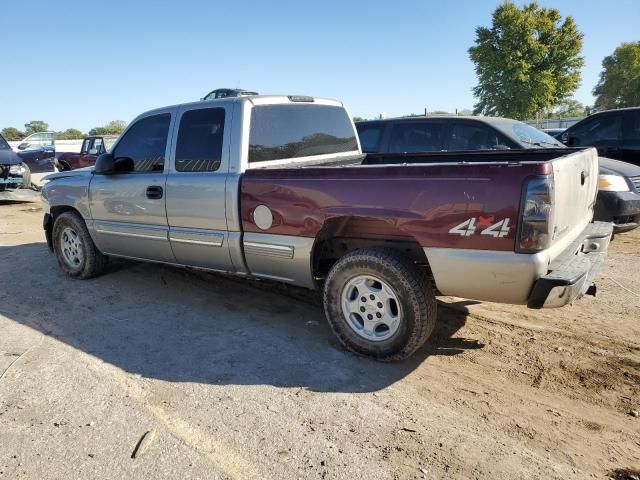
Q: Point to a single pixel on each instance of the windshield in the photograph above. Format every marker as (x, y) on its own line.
(528, 136)
(3, 144)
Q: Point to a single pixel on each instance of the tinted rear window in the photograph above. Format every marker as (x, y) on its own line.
(292, 131)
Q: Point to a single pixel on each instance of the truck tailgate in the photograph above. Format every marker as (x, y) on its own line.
(575, 184)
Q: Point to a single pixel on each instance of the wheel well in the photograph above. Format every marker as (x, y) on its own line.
(343, 235)
(55, 212)
(60, 209)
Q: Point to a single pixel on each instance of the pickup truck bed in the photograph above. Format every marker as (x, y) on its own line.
(418, 202)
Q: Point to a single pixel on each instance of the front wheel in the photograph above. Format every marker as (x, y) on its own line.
(379, 303)
(77, 255)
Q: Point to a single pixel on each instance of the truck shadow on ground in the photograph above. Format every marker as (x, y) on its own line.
(181, 325)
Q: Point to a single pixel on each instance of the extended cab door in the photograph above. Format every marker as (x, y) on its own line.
(196, 184)
(128, 208)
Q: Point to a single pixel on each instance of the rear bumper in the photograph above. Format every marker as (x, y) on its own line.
(572, 273)
(519, 278)
(620, 208)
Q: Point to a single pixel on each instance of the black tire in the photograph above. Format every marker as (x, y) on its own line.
(413, 290)
(92, 262)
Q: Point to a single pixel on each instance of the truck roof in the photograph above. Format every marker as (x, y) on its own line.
(255, 100)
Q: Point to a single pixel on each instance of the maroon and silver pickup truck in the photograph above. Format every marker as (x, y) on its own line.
(91, 148)
(276, 187)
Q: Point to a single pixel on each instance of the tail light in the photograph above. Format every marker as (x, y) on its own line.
(536, 215)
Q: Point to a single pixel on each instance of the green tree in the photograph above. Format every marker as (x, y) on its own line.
(12, 134)
(619, 84)
(69, 134)
(115, 127)
(359, 119)
(35, 126)
(569, 108)
(527, 62)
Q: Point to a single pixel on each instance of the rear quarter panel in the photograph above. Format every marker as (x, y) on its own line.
(422, 201)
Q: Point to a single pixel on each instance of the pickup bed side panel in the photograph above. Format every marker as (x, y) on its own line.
(427, 203)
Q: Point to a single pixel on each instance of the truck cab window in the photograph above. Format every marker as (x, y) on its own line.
(199, 147)
(281, 132)
(145, 143)
(86, 145)
(97, 146)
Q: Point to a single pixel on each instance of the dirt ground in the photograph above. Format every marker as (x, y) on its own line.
(244, 380)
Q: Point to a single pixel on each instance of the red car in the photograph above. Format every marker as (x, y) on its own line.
(91, 147)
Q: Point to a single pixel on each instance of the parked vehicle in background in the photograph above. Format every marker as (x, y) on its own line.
(554, 132)
(300, 204)
(615, 133)
(618, 195)
(92, 147)
(227, 92)
(38, 140)
(15, 176)
(38, 152)
(618, 198)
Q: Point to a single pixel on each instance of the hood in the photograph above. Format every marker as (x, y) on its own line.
(79, 172)
(9, 157)
(616, 167)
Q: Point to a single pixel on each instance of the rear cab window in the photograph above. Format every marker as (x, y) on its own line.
(281, 132)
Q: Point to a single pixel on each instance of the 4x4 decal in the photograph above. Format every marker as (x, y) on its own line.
(469, 227)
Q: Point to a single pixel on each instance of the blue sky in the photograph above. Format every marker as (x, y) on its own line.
(74, 66)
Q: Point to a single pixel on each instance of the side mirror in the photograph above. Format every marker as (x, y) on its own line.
(105, 164)
(23, 146)
(564, 138)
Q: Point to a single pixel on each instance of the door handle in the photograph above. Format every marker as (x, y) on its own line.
(154, 192)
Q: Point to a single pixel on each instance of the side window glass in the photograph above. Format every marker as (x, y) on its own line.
(473, 137)
(633, 132)
(369, 138)
(416, 136)
(199, 146)
(604, 128)
(145, 143)
(85, 146)
(96, 149)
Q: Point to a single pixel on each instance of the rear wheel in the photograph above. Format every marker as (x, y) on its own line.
(77, 255)
(379, 303)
